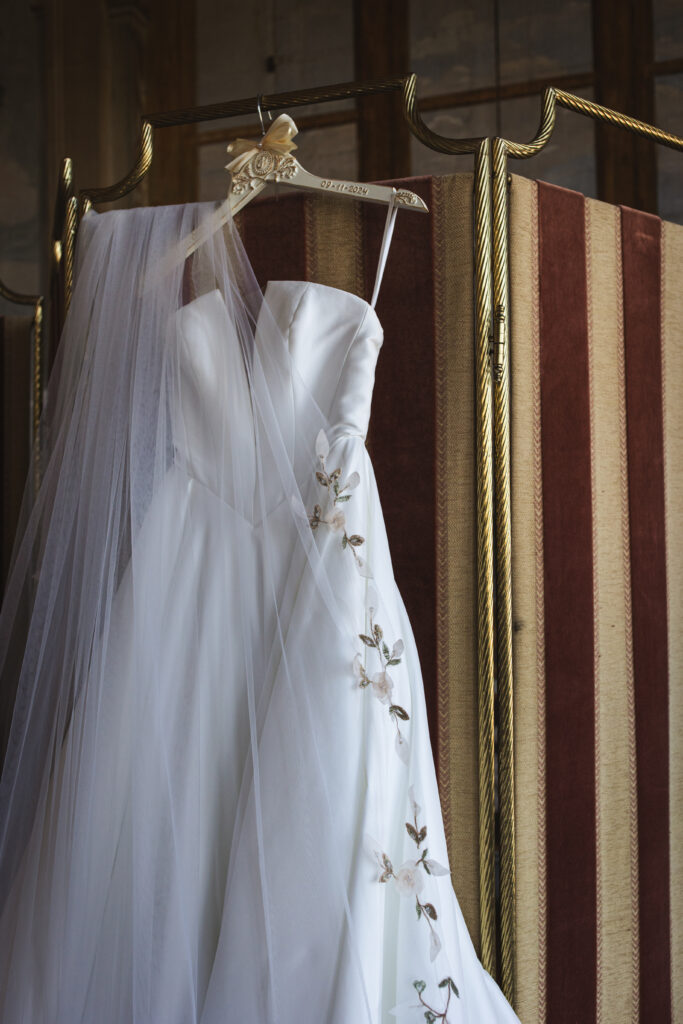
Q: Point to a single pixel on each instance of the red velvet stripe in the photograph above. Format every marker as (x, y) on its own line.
(644, 432)
(274, 231)
(568, 595)
(403, 421)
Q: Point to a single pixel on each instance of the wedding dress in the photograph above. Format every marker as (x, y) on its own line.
(219, 801)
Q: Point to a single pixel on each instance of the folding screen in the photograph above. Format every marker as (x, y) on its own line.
(596, 297)
(597, 521)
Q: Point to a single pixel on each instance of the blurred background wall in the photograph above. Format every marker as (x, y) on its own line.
(75, 76)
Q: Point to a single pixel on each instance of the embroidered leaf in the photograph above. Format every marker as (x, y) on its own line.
(419, 986)
(402, 748)
(412, 831)
(321, 478)
(388, 869)
(385, 650)
(431, 910)
(345, 541)
(423, 833)
(432, 867)
(454, 987)
(418, 907)
(434, 945)
(400, 712)
(355, 540)
(317, 511)
(352, 482)
(344, 497)
(397, 649)
(335, 474)
(430, 1017)
(363, 568)
(394, 661)
(322, 445)
(378, 632)
(367, 640)
(444, 982)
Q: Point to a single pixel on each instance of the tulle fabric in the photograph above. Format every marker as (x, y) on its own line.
(199, 786)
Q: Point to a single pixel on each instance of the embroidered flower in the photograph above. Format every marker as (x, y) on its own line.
(382, 686)
(337, 521)
(410, 880)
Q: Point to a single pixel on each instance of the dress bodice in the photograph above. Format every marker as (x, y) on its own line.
(333, 338)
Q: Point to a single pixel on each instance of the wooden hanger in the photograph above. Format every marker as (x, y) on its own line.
(256, 164)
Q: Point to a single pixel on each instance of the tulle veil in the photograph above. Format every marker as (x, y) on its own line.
(197, 798)
(104, 784)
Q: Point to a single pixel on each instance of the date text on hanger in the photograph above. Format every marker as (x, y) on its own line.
(256, 164)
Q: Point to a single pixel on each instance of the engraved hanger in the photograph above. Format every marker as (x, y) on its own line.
(256, 164)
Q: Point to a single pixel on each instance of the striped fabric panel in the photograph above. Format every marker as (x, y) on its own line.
(599, 861)
(457, 720)
(569, 607)
(672, 376)
(616, 808)
(402, 435)
(528, 605)
(641, 237)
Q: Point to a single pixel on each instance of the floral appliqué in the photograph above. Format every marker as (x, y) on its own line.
(381, 683)
(335, 518)
(410, 877)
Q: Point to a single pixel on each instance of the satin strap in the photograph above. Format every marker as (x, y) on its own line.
(384, 248)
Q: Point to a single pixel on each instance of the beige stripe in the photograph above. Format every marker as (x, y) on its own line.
(594, 458)
(672, 369)
(455, 536)
(333, 255)
(527, 604)
(617, 975)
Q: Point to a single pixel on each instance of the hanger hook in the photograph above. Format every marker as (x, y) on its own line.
(260, 113)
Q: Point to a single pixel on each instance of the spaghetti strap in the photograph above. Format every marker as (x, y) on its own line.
(384, 248)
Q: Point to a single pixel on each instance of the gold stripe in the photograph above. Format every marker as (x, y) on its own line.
(617, 976)
(332, 250)
(631, 695)
(527, 604)
(455, 536)
(672, 371)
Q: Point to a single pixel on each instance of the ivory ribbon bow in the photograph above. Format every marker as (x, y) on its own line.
(277, 140)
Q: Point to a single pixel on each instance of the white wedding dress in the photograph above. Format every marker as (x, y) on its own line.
(262, 839)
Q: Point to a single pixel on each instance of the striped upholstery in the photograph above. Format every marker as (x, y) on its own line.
(597, 310)
(597, 505)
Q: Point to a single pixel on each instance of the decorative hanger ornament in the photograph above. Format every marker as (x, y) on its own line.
(255, 164)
